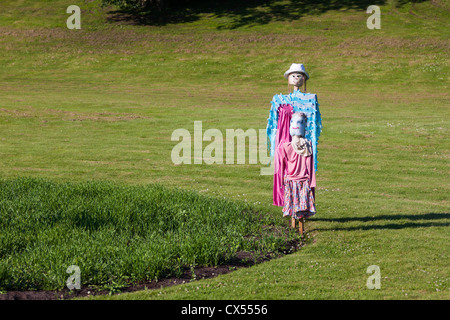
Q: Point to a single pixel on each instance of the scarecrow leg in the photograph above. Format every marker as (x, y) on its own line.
(301, 225)
(292, 222)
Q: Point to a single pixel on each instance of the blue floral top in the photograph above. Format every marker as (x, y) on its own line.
(300, 102)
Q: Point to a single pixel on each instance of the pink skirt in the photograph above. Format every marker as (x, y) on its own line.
(298, 199)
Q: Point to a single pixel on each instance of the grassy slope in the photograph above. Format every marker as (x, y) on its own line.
(101, 103)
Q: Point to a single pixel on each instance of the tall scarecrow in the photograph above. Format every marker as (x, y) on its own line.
(293, 129)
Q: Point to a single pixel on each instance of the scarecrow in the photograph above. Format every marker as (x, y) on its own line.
(280, 135)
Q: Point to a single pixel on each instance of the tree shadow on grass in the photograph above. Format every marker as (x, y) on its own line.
(415, 221)
(240, 13)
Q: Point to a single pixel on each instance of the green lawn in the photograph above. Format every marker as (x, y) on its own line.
(100, 104)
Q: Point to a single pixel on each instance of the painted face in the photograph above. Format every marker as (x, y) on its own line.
(297, 126)
(295, 79)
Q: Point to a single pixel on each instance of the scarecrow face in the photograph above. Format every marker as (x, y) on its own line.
(295, 79)
(297, 126)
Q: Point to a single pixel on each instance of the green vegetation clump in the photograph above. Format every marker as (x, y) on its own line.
(116, 233)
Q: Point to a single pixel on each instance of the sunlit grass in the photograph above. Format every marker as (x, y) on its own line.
(102, 102)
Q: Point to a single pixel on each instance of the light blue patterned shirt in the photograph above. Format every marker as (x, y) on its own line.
(300, 102)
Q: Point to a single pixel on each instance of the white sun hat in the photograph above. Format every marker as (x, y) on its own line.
(296, 67)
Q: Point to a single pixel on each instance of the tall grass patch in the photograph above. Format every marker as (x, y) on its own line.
(117, 234)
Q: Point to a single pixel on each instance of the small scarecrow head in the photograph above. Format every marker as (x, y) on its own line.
(298, 124)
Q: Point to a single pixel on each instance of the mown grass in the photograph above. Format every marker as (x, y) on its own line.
(118, 235)
(101, 103)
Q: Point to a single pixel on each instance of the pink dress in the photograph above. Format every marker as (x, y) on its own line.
(284, 118)
(299, 182)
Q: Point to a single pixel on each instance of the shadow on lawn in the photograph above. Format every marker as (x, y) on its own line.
(415, 221)
(240, 13)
